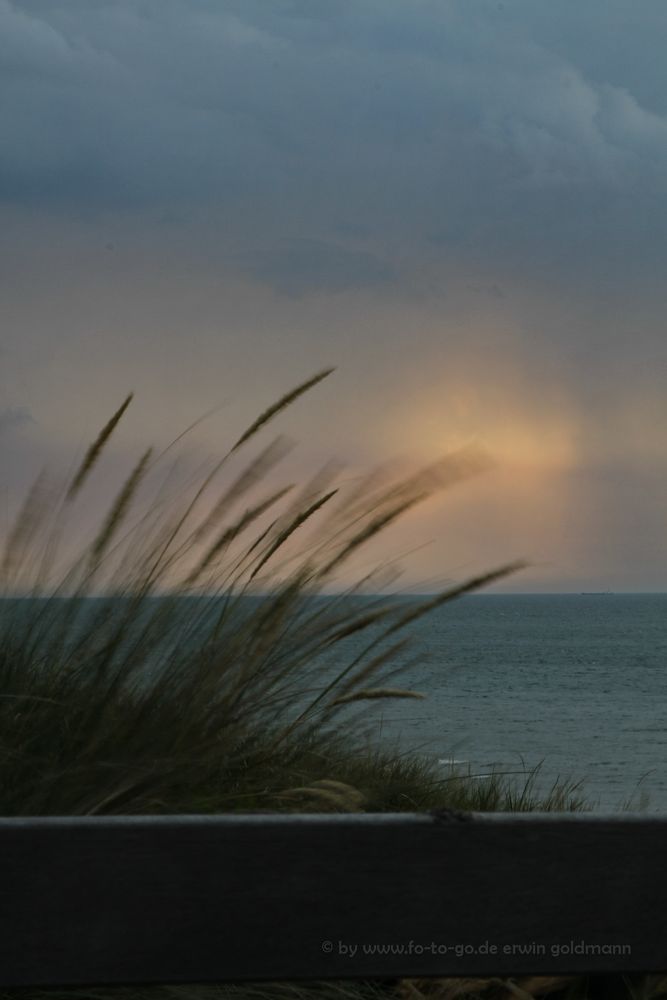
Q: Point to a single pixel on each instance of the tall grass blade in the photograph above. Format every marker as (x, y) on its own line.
(282, 403)
(229, 534)
(95, 450)
(290, 529)
(245, 481)
(474, 583)
(120, 507)
(369, 531)
(26, 524)
(369, 694)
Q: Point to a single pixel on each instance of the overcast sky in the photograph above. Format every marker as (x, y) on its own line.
(461, 205)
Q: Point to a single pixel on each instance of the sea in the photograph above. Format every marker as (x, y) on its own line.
(575, 683)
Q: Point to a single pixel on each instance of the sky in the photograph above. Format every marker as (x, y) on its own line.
(461, 205)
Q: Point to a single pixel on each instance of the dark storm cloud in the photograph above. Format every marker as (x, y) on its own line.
(520, 136)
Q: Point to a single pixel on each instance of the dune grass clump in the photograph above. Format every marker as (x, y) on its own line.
(187, 656)
(197, 653)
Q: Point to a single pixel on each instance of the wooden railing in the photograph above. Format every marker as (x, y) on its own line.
(273, 897)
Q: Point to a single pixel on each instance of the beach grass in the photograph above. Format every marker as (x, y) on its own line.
(173, 660)
(198, 653)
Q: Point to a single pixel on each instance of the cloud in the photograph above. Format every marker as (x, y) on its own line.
(469, 128)
(14, 417)
(301, 266)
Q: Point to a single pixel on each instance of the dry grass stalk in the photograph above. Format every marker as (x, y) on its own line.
(340, 786)
(281, 404)
(229, 534)
(423, 608)
(373, 666)
(95, 450)
(370, 693)
(120, 506)
(408, 991)
(376, 489)
(515, 991)
(369, 531)
(493, 988)
(451, 469)
(26, 523)
(188, 429)
(360, 624)
(338, 794)
(475, 583)
(307, 495)
(263, 419)
(290, 529)
(245, 481)
(316, 486)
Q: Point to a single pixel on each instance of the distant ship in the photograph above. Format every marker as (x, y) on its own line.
(596, 593)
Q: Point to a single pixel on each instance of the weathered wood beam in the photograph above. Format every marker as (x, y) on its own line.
(259, 897)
